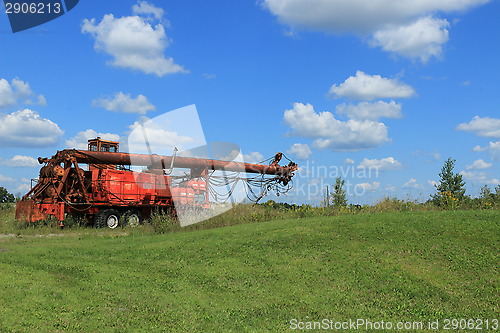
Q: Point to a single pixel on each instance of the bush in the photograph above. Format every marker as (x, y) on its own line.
(163, 222)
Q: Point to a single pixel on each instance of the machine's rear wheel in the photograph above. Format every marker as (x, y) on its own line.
(107, 218)
(132, 218)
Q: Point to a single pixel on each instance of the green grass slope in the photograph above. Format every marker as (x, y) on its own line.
(398, 267)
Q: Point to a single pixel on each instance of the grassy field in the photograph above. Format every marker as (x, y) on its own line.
(397, 267)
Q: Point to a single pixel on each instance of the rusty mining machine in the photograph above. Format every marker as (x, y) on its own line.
(109, 194)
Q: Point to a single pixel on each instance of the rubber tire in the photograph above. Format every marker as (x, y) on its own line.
(107, 218)
(132, 218)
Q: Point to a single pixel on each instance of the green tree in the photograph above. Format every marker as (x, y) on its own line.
(339, 198)
(450, 189)
(5, 196)
(486, 197)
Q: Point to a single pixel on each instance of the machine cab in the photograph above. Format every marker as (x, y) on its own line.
(99, 144)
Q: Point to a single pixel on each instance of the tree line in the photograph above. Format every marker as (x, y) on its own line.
(450, 192)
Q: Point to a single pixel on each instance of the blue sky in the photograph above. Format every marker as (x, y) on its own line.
(335, 85)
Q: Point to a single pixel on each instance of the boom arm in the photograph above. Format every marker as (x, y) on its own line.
(93, 157)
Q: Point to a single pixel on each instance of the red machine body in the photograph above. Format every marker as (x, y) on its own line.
(109, 195)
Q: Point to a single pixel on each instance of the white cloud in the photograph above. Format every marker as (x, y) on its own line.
(435, 156)
(5, 179)
(22, 89)
(479, 165)
(493, 149)
(388, 21)
(391, 188)
(20, 161)
(411, 183)
(349, 161)
(158, 138)
(145, 8)
(369, 87)
(26, 128)
(121, 102)
(384, 164)
(421, 39)
(234, 155)
(253, 157)
(6, 94)
(80, 140)
(334, 134)
(300, 150)
(433, 183)
(370, 111)
(22, 188)
(359, 16)
(479, 176)
(41, 100)
(369, 186)
(485, 127)
(133, 42)
(473, 175)
(18, 92)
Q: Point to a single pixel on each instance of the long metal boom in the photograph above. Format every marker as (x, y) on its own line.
(158, 161)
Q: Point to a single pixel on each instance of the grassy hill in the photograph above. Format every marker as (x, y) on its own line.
(396, 267)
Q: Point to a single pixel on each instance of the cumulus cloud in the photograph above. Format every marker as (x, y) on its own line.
(384, 164)
(158, 138)
(121, 102)
(253, 157)
(18, 92)
(435, 156)
(391, 188)
(80, 140)
(5, 179)
(387, 21)
(19, 161)
(482, 126)
(493, 181)
(479, 165)
(133, 42)
(6, 94)
(411, 183)
(26, 128)
(370, 111)
(145, 8)
(474, 175)
(369, 87)
(300, 151)
(334, 134)
(349, 161)
(359, 16)
(234, 155)
(479, 176)
(369, 186)
(493, 149)
(422, 39)
(23, 188)
(433, 183)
